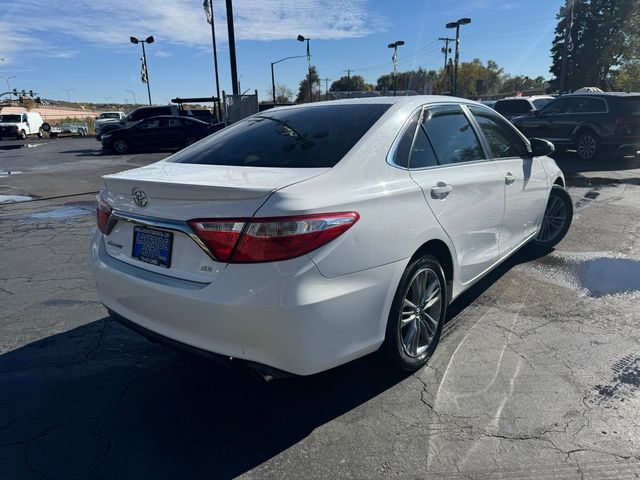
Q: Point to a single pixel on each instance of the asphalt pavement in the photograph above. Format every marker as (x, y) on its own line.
(537, 374)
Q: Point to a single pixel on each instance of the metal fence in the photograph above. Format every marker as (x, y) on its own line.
(238, 107)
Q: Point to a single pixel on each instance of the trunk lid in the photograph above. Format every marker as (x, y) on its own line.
(177, 192)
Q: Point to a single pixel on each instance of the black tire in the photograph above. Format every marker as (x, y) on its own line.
(40, 133)
(22, 135)
(120, 146)
(588, 145)
(558, 205)
(398, 332)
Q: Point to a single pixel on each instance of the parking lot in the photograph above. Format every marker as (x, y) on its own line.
(537, 374)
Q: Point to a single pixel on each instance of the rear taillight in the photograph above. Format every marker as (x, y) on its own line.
(271, 239)
(628, 120)
(103, 215)
(220, 236)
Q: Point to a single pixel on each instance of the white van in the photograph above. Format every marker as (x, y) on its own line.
(20, 125)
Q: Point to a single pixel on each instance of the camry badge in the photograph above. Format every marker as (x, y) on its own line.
(140, 198)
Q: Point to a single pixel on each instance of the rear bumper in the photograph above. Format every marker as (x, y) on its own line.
(285, 315)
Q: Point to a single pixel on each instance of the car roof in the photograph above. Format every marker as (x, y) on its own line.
(408, 101)
(603, 94)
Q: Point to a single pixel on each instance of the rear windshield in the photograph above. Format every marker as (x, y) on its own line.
(306, 137)
(513, 106)
(629, 105)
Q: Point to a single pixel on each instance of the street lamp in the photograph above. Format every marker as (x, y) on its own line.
(456, 25)
(273, 80)
(303, 39)
(68, 90)
(133, 94)
(7, 79)
(145, 72)
(394, 58)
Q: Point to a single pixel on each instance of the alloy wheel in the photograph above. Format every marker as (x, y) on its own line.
(587, 147)
(555, 217)
(420, 313)
(120, 146)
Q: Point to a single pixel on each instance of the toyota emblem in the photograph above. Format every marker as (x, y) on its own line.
(140, 198)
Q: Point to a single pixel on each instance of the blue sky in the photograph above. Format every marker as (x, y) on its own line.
(51, 45)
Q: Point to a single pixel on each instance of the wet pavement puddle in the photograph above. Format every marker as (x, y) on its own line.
(62, 213)
(14, 198)
(595, 275)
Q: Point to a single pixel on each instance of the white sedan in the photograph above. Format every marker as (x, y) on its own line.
(304, 237)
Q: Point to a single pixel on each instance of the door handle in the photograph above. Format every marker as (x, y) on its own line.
(441, 190)
(509, 178)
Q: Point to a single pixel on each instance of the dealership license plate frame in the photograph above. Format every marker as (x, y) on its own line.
(163, 256)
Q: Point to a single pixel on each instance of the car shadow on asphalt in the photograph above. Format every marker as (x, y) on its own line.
(571, 165)
(99, 401)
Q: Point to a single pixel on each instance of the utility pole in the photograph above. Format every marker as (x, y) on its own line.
(394, 59)
(446, 50)
(348, 82)
(326, 87)
(568, 25)
(232, 48)
(208, 8)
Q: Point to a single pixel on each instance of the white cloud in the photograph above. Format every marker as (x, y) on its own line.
(111, 22)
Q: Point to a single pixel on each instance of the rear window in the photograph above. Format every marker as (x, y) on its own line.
(629, 105)
(306, 137)
(513, 106)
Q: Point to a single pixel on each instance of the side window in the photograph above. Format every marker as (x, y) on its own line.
(154, 123)
(502, 140)
(587, 105)
(403, 147)
(452, 136)
(422, 154)
(560, 105)
(176, 122)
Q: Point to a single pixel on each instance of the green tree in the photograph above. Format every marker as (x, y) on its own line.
(355, 83)
(604, 34)
(303, 90)
(521, 83)
(469, 73)
(627, 78)
(416, 80)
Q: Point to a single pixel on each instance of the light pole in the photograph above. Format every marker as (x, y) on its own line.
(208, 8)
(456, 25)
(7, 79)
(232, 47)
(303, 39)
(145, 73)
(273, 80)
(68, 90)
(133, 94)
(394, 58)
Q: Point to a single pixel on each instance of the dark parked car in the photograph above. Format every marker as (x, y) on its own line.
(165, 132)
(517, 106)
(591, 123)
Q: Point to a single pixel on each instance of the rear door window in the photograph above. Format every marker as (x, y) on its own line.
(298, 137)
(587, 105)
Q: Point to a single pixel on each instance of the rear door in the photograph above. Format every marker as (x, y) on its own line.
(463, 189)
(525, 180)
(148, 133)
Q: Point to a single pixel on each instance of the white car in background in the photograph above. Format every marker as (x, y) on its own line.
(304, 237)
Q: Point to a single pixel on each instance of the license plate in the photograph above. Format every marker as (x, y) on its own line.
(152, 246)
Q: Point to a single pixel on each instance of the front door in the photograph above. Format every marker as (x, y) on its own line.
(524, 177)
(463, 189)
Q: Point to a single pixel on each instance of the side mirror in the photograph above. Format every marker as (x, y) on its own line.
(46, 127)
(541, 148)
